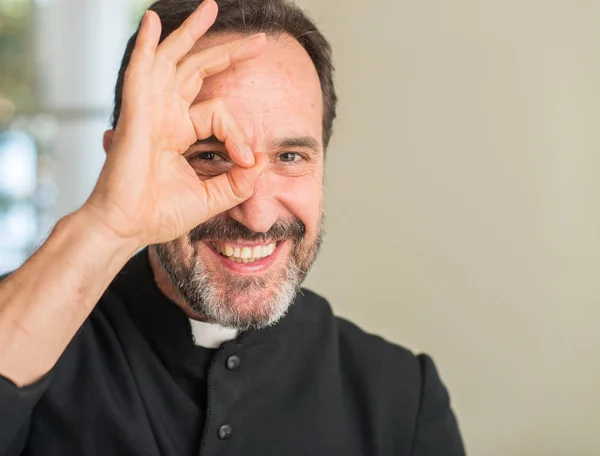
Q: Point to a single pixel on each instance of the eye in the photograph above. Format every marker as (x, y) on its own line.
(208, 156)
(290, 157)
(209, 164)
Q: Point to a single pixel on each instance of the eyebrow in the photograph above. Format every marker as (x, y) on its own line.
(306, 142)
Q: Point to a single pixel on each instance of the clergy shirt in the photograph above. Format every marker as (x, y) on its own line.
(133, 382)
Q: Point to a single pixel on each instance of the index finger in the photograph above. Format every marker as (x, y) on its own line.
(227, 190)
(180, 42)
(211, 117)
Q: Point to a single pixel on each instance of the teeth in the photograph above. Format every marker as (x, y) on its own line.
(245, 254)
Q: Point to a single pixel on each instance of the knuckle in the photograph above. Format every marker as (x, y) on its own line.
(196, 65)
(218, 104)
(189, 36)
(200, 71)
(166, 59)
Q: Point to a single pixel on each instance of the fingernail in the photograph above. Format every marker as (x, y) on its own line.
(257, 36)
(248, 156)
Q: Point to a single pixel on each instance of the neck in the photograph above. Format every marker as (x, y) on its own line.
(166, 286)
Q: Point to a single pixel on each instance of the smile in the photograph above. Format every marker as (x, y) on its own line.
(244, 254)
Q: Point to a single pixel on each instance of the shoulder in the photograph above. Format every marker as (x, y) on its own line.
(365, 356)
(352, 339)
(399, 390)
(371, 348)
(392, 374)
(373, 363)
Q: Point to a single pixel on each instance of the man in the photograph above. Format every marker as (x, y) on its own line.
(203, 343)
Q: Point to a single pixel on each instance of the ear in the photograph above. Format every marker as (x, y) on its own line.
(108, 139)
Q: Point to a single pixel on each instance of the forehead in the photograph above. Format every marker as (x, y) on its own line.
(276, 94)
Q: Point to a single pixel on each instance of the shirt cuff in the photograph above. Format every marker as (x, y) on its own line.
(16, 405)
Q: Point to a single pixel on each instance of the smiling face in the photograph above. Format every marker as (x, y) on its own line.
(243, 268)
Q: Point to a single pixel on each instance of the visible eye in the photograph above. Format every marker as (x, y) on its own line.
(290, 157)
(209, 164)
(208, 156)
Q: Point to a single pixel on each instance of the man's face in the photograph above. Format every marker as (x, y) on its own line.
(243, 268)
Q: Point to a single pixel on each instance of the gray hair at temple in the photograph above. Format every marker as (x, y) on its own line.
(246, 17)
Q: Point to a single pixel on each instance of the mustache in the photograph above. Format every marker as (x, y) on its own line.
(225, 228)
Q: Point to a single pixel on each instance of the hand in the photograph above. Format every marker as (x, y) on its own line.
(147, 191)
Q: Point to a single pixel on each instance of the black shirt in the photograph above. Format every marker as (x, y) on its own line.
(132, 382)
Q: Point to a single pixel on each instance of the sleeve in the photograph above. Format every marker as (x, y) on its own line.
(437, 432)
(16, 406)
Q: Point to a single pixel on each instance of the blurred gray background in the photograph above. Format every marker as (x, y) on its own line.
(462, 189)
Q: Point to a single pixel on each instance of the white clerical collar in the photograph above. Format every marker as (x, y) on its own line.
(211, 335)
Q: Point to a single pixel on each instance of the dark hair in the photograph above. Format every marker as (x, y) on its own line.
(274, 17)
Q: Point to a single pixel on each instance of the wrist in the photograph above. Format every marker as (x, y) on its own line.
(86, 220)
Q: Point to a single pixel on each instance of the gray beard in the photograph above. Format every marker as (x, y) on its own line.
(211, 297)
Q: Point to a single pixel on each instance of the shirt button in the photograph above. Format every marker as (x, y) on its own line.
(233, 362)
(225, 432)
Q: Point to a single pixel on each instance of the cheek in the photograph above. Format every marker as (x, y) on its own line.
(184, 246)
(302, 197)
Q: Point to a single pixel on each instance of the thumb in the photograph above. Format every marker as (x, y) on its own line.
(234, 187)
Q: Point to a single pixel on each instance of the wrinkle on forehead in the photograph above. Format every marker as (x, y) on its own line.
(283, 65)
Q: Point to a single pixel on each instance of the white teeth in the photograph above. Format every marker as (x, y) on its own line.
(245, 254)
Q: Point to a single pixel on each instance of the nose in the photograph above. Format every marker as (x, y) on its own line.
(259, 212)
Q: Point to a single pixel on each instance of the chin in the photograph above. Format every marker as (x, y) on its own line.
(242, 300)
(252, 307)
